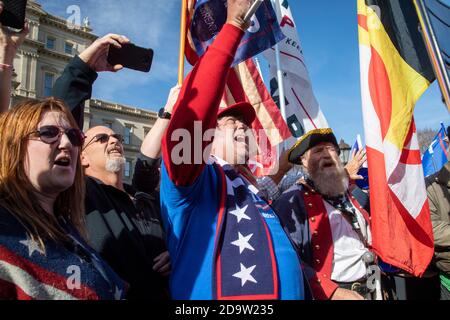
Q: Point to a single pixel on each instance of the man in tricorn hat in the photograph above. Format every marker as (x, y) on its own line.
(325, 222)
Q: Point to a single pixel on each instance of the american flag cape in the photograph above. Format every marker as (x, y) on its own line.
(240, 217)
(29, 273)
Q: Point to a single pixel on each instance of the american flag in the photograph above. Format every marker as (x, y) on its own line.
(210, 15)
(246, 84)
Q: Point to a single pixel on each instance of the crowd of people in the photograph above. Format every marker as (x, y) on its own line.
(184, 230)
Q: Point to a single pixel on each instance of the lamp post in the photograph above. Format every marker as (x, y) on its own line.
(345, 151)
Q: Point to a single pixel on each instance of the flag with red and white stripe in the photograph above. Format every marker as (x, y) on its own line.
(29, 271)
(395, 71)
(269, 129)
(246, 84)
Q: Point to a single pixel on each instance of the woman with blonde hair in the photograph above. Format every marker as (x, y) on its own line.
(43, 251)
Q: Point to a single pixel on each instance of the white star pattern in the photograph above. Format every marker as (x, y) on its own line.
(236, 183)
(32, 246)
(245, 275)
(118, 294)
(240, 213)
(242, 243)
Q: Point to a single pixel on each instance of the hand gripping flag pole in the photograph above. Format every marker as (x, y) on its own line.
(254, 7)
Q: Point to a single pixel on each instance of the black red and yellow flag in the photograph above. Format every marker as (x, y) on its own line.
(395, 71)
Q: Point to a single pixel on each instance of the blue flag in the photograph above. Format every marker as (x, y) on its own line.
(211, 15)
(435, 158)
(364, 171)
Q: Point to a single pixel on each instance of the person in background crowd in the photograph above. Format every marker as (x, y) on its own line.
(123, 222)
(438, 189)
(9, 43)
(329, 228)
(151, 147)
(43, 250)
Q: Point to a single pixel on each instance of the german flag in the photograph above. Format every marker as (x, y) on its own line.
(395, 71)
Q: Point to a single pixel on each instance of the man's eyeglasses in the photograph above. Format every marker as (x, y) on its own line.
(230, 120)
(103, 138)
(51, 134)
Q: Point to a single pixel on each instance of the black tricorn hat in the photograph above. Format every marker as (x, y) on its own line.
(309, 140)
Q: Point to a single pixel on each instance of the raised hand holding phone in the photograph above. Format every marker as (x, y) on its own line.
(96, 55)
(10, 40)
(13, 13)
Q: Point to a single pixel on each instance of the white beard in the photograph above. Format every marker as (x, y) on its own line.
(115, 165)
(331, 183)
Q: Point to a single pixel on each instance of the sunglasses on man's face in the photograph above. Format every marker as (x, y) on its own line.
(51, 134)
(104, 138)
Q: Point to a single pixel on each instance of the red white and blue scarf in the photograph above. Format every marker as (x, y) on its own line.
(245, 266)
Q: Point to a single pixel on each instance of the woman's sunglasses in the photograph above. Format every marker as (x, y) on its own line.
(51, 134)
(103, 138)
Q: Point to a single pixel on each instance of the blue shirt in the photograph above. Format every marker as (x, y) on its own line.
(190, 218)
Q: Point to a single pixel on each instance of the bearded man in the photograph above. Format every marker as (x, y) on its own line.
(327, 225)
(120, 220)
(124, 221)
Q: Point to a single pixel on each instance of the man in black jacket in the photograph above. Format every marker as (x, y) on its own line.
(124, 223)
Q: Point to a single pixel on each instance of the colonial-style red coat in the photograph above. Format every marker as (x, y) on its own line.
(304, 216)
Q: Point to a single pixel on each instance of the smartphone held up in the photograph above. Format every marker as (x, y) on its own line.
(131, 56)
(13, 14)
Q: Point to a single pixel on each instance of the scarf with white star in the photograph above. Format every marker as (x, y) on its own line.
(245, 267)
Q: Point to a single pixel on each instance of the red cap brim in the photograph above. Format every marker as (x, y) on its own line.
(244, 109)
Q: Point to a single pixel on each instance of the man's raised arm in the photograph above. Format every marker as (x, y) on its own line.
(74, 86)
(201, 94)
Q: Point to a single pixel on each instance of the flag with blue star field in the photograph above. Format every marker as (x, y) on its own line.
(210, 16)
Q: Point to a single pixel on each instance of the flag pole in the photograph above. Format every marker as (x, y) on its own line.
(445, 135)
(279, 71)
(280, 78)
(433, 51)
(182, 42)
(258, 66)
